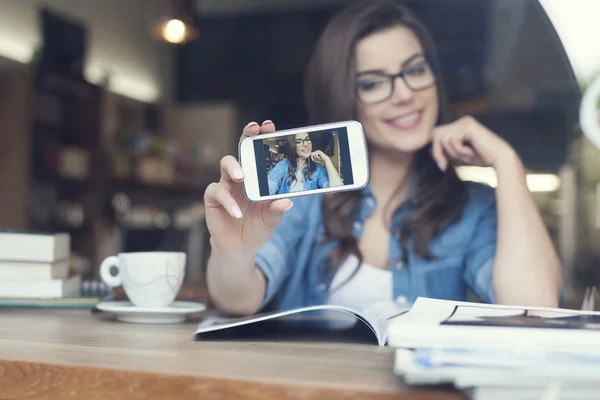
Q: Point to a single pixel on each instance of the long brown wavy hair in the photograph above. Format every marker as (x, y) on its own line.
(439, 196)
(292, 156)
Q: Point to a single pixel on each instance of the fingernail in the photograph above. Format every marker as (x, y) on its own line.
(235, 210)
(268, 121)
(290, 206)
(238, 174)
(251, 124)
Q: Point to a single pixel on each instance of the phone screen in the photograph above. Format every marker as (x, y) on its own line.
(303, 161)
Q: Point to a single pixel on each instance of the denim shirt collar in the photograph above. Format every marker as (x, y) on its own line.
(369, 202)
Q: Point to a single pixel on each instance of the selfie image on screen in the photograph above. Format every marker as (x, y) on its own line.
(303, 161)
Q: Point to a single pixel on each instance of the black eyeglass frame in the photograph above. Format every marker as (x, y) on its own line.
(392, 78)
(306, 140)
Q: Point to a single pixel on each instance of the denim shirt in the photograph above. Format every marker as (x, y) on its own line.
(294, 260)
(279, 182)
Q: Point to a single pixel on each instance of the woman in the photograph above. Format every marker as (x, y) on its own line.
(428, 233)
(302, 169)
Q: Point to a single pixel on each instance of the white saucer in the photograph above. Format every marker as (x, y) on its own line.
(174, 313)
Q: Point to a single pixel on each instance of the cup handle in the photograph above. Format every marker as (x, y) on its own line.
(111, 261)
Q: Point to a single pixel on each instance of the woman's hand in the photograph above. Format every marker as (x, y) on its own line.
(320, 157)
(235, 224)
(524, 247)
(467, 141)
(333, 176)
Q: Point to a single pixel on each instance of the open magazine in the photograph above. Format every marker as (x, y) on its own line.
(454, 324)
(322, 319)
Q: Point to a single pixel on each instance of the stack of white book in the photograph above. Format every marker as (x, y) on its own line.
(36, 265)
(499, 352)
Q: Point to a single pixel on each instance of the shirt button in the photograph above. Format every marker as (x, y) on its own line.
(371, 202)
(322, 287)
(399, 264)
(357, 225)
(401, 300)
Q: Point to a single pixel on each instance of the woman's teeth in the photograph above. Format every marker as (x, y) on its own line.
(408, 118)
(407, 121)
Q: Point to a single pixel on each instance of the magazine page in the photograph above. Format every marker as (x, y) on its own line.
(549, 391)
(414, 371)
(321, 316)
(505, 358)
(453, 324)
(381, 314)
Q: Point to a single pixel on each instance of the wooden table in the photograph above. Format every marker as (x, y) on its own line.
(46, 354)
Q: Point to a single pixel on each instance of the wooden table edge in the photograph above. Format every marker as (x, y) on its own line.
(56, 381)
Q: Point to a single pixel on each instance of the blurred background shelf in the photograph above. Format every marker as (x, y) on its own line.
(180, 184)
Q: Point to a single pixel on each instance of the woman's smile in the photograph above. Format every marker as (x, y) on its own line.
(305, 150)
(406, 121)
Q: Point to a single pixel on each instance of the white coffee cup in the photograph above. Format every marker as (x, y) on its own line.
(148, 278)
(589, 115)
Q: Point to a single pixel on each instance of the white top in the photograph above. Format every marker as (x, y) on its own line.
(368, 286)
(296, 187)
(298, 184)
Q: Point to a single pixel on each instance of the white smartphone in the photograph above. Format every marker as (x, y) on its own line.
(303, 161)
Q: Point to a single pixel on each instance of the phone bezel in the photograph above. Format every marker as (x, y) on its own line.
(358, 154)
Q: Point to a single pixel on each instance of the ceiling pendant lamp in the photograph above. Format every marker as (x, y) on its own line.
(178, 27)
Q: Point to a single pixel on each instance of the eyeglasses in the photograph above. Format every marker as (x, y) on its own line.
(306, 140)
(375, 87)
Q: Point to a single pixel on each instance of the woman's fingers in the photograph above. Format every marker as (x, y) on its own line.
(463, 152)
(267, 126)
(252, 129)
(317, 156)
(438, 153)
(280, 205)
(273, 212)
(449, 148)
(451, 144)
(217, 195)
(231, 170)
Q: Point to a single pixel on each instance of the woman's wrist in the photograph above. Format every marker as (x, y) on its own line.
(508, 166)
(238, 254)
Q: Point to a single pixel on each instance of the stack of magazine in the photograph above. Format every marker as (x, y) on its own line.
(499, 352)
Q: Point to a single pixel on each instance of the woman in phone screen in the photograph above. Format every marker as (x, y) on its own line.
(303, 168)
(416, 229)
